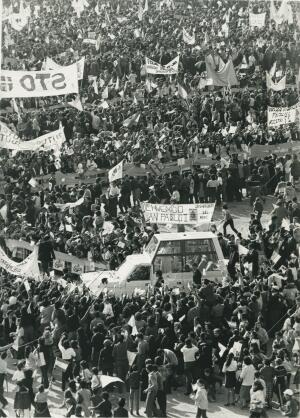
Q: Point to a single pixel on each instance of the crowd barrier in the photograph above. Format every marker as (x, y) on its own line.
(22, 249)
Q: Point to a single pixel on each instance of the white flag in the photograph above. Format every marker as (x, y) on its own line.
(146, 6)
(273, 70)
(95, 85)
(116, 172)
(76, 103)
(275, 86)
(104, 94)
(182, 92)
(117, 86)
(190, 40)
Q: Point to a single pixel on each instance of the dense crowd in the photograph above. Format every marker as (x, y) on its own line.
(242, 333)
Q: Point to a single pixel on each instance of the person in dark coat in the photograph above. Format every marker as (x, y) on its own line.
(46, 253)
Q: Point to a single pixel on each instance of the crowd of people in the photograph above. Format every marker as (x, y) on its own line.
(241, 335)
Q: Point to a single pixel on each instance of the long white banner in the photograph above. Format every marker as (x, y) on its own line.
(178, 214)
(27, 268)
(278, 116)
(51, 65)
(52, 140)
(39, 83)
(153, 67)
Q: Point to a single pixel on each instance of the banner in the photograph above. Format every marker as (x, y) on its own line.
(257, 20)
(190, 40)
(51, 65)
(278, 116)
(281, 85)
(261, 151)
(39, 83)
(8, 139)
(18, 21)
(153, 67)
(178, 214)
(64, 206)
(26, 268)
(50, 141)
(116, 172)
(61, 259)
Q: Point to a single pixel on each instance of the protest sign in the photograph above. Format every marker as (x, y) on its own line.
(178, 214)
(26, 268)
(39, 83)
(51, 65)
(153, 67)
(282, 115)
(257, 20)
(187, 38)
(52, 140)
(107, 380)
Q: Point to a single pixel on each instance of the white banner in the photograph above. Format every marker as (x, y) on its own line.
(18, 21)
(39, 83)
(257, 20)
(178, 214)
(27, 268)
(188, 39)
(52, 140)
(153, 67)
(63, 206)
(51, 65)
(8, 139)
(116, 172)
(278, 116)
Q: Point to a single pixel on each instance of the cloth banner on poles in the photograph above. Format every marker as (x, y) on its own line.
(26, 268)
(178, 214)
(39, 83)
(278, 116)
(153, 67)
(51, 65)
(52, 140)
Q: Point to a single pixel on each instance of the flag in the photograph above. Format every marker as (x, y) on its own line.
(132, 120)
(148, 85)
(135, 102)
(107, 19)
(116, 172)
(104, 94)
(15, 107)
(224, 77)
(272, 72)
(117, 86)
(104, 105)
(146, 6)
(76, 103)
(95, 85)
(3, 212)
(182, 92)
(98, 42)
(188, 39)
(279, 86)
(97, 11)
(140, 12)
